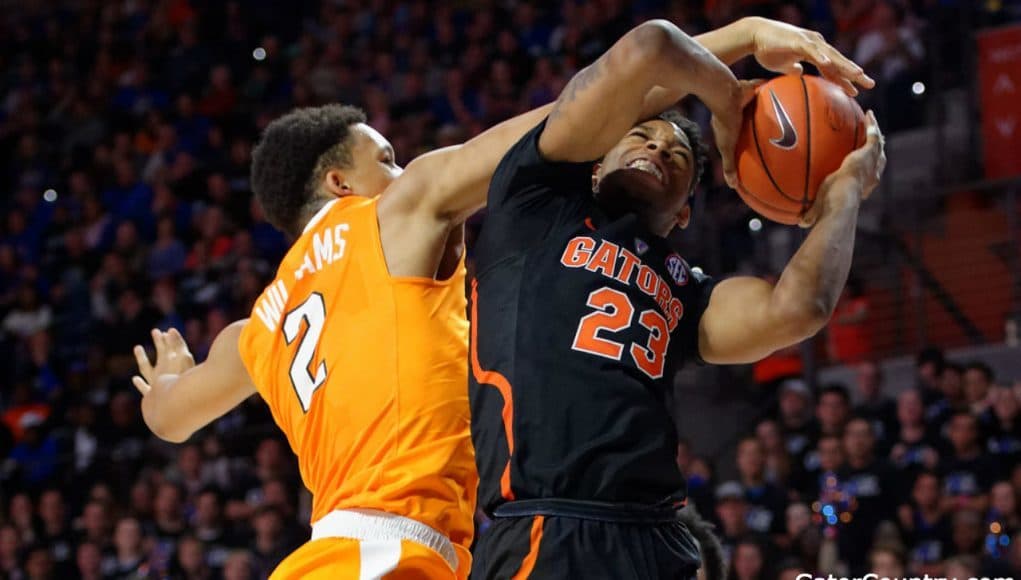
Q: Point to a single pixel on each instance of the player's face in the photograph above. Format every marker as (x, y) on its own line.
(373, 164)
(649, 171)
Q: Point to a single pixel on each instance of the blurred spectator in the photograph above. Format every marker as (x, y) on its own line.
(777, 468)
(978, 379)
(767, 502)
(732, 514)
(967, 473)
(55, 531)
(1003, 428)
(749, 561)
(89, 561)
(28, 316)
(924, 522)
(873, 487)
(128, 557)
(795, 418)
(875, 405)
(887, 562)
(914, 446)
(833, 410)
(929, 365)
(965, 566)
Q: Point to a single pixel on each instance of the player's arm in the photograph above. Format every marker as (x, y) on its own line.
(605, 99)
(748, 318)
(450, 184)
(781, 47)
(180, 397)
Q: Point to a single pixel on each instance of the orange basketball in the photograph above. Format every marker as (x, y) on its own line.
(796, 131)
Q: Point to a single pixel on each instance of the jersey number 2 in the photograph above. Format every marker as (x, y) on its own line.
(313, 312)
(614, 313)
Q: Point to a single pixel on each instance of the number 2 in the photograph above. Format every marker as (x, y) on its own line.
(614, 312)
(313, 312)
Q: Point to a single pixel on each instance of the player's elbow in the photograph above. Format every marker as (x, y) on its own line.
(656, 47)
(646, 47)
(162, 427)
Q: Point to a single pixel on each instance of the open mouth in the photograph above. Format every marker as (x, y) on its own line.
(647, 166)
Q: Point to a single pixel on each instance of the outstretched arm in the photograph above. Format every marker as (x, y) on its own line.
(748, 318)
(180, 397)
(450, 184)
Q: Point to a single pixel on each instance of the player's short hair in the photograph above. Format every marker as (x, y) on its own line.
(691, 130)
(294, 153)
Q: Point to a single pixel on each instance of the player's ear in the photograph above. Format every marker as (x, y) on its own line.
(335, 183)
(684, 216)
(595, 176)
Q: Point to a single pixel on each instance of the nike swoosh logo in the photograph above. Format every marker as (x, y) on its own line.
(789, 136)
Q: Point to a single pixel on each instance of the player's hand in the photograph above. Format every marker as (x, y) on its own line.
(864, 165)
(172, 358)
(727, 120)
(781, 47)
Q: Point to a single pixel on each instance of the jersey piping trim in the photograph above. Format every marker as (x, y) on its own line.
(500, 382)
(534, 539)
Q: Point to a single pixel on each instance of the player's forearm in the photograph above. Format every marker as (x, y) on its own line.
(732, 42)
(464, 178)
(811, 283)
(164, 414)
(485, 150)
(683, 65)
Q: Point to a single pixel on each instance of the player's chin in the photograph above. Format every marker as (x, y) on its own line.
(640, 185)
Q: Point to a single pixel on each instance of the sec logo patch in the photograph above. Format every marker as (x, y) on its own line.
(677, 268)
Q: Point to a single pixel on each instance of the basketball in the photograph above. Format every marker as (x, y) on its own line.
(796, 131)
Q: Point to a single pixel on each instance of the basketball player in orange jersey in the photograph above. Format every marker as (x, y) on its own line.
(359, 345)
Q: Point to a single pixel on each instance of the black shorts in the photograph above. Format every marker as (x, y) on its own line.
(540, 539)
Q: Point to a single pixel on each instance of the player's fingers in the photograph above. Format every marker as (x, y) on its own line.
(144, 366)
(872, 133)
(849, 69)
(140, 384)
(175, 340)
(159, 342)
(749, 89)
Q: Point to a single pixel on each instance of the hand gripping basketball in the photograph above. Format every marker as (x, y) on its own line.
(864, 165)
(726, 125)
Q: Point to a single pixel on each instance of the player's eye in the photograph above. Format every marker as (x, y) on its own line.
(640, 135)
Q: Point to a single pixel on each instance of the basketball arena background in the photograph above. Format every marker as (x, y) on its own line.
(126, 128)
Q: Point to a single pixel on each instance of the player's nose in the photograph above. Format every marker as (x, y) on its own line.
(658, 146)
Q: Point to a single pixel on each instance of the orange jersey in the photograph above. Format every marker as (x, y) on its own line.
(366, 374)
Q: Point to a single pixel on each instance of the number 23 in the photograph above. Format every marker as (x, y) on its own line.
(614, 312)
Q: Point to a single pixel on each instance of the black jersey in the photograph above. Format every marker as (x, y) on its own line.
(579, 323)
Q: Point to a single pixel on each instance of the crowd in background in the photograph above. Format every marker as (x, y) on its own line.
(126, 130)
(853, 480)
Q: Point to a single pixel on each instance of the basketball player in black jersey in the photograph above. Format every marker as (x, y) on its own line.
(582, 311)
